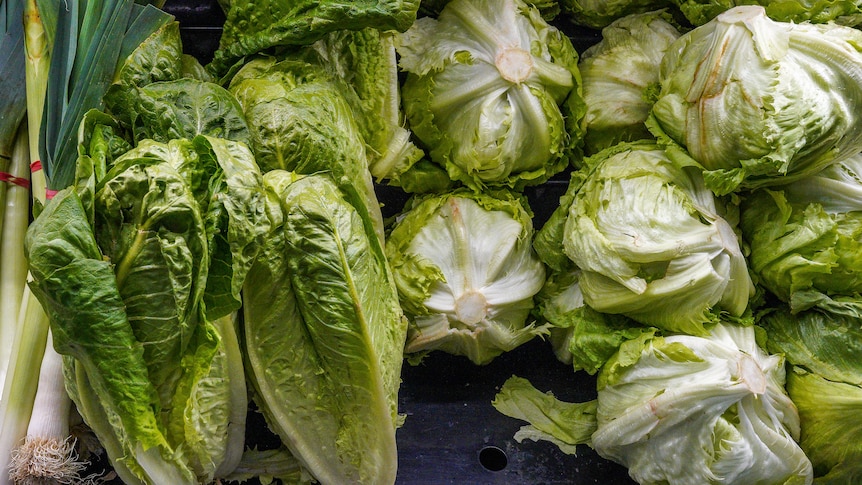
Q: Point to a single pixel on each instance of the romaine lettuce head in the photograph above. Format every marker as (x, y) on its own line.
(366, 61)
(805, 238)
(758, 102)
(185, 108)
(618, 73)
(466, 272)
(324, 333)
(825, 383)
(301, 120)
(158, 58)
(698, 410)
(489, 85)
(120, 263)
(647, 237)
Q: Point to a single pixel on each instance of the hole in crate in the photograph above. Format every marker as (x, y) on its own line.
(493, 458)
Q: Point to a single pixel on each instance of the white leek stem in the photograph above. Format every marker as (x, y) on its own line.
(48, 452)
(19, 390)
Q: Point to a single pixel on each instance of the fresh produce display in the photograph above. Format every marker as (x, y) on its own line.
(281, 233)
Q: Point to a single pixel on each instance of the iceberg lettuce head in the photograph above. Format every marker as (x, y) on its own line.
(650, 243)
(758, 102)
(466, 273)
(700, 410)
(493, 92)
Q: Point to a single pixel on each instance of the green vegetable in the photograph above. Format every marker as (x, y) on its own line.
(301, 121)
(699, 12)
(366, 60)
(598, 14)
(14, 175)
(564, 424)
(805, 238)
(649, 241)
(758, 102)
(466, 273)
(324, 333)
(705, 410)
(580, 335)
(121, 264)
(825, 383)
(255, 26)
(678, 409)
(493, 93)
(618, 74)
(95, 37)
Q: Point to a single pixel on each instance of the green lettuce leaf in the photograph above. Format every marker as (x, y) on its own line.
(567, 425)
(253, 26)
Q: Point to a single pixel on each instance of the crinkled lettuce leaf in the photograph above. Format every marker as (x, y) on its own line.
(301, 121)
(804, 238)
(825, 383)
(253, 26)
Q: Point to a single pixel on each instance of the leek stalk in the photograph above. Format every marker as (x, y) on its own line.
(12, 108)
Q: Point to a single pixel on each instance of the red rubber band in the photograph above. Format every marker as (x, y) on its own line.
(36, 166)
(49, 194)
(9, 178)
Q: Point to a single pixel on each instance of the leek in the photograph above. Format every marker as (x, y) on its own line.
(39, 24)
(12, 108)
(48, 454)
(15, 402)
